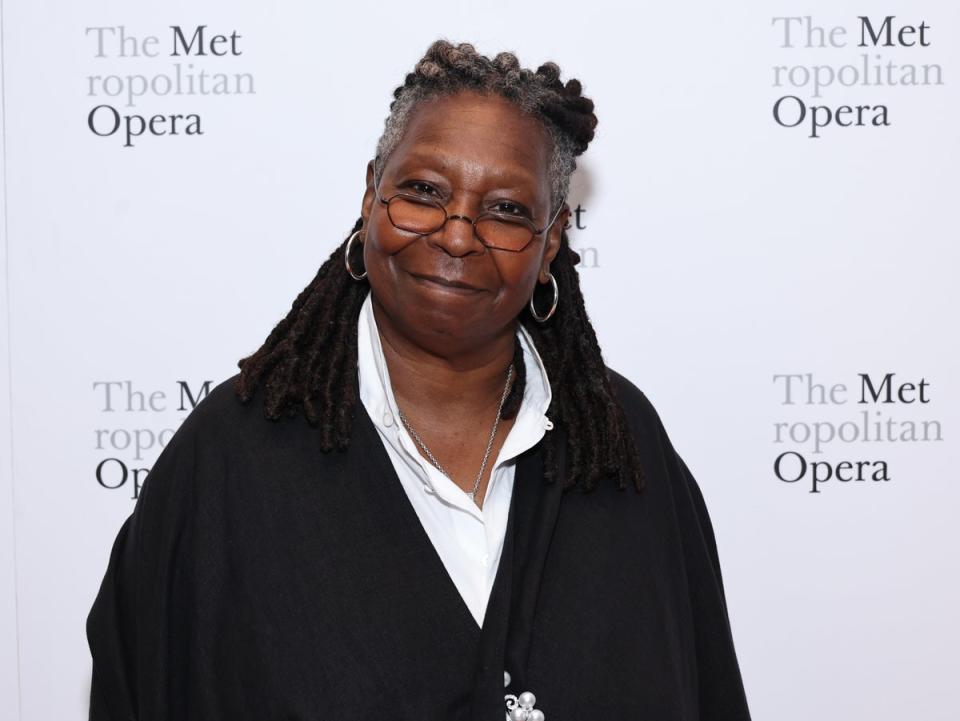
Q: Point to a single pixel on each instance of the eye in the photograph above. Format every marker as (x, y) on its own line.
(506, 207)
(422, 188)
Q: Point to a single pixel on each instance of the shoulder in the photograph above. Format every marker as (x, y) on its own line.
(203, 425)
(219, 405)
(645, 422)
(221, 418)
(659, 455)
(640, 411)
(198, 450)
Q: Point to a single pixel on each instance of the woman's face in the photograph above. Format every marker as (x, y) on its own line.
(474, 153)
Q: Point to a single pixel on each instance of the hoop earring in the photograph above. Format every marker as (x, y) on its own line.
(553, 307)
(346, 258)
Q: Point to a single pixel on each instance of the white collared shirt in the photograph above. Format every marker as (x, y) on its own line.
(468, 539)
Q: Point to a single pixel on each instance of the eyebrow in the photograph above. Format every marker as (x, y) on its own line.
(511, 177)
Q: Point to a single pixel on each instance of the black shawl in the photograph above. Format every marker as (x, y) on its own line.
(261, 578)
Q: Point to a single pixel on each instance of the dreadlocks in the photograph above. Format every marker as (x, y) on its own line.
(308, 362)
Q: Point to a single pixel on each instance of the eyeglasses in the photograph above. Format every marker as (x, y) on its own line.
(423, 216)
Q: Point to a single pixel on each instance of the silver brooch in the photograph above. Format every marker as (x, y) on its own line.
(520, 708)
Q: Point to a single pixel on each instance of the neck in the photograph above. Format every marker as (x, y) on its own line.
(446, 380)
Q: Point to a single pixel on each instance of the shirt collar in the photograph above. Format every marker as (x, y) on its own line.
(376, 394)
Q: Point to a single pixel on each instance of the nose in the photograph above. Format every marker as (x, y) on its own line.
(456, 237)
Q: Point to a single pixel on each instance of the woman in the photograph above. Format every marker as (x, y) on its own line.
(376, 518)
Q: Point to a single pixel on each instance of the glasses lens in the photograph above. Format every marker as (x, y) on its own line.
(415, 216)
(504, 233)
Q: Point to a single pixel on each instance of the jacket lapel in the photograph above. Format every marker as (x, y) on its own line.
(509, 623)
(445, 597)
(537, 507)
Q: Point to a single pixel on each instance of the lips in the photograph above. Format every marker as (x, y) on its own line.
(448, 283)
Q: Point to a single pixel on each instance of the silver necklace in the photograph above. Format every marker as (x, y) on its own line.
(493, 432)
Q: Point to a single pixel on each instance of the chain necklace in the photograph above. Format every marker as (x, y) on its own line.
(493, 432)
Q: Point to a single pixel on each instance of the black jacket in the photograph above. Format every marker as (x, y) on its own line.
(261, 578)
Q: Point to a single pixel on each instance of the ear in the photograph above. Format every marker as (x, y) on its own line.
(369, 196)
(553, 242)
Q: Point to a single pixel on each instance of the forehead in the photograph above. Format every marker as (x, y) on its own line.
(480, 135)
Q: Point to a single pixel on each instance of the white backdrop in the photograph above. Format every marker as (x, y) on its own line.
(721, 249)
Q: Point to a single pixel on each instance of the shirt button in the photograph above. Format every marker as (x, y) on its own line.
(387, 419)
(486, 560)
(547, 423)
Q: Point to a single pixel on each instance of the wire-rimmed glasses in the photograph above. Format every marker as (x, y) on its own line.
(423, 215)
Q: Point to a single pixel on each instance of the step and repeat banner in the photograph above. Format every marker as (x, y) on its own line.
(768, 225)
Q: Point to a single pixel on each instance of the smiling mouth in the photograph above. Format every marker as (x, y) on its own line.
(453, 286)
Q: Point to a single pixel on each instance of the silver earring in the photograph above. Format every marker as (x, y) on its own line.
(346, 258)
(553, 307)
